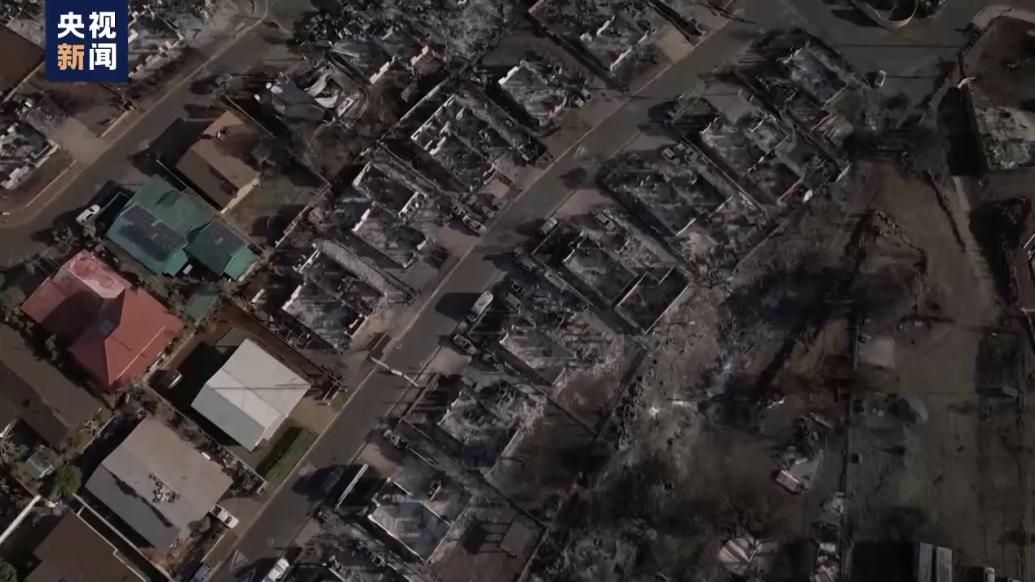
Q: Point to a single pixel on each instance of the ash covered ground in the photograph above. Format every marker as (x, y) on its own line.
(847, 352)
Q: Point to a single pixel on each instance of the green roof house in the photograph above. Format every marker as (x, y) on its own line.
(222, 250)
(164, 229)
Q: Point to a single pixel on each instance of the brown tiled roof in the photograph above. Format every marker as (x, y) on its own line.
(74, 552)
(125, 338)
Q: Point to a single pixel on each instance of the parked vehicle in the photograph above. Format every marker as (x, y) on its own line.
(605, 221)
(331, 480)
(220, 82)
(485, 210)
(480, 305)
(879, 77)
(465, 344)
(513, 301)
(492, 360)
(547, 226)
(474, 224)
(524, 261)
(224, 516)
(88, 213)
(279, 570)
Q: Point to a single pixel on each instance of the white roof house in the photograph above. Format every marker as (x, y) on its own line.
(251, 395)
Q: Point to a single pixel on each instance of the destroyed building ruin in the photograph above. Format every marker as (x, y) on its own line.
(417, 502)
(483, 419)
(384, 232)
(469, 136)
(287, 101)
(389, 190)
(331, 89)
(324, 314)
(335, 279)
(609, 259)
(609, 32)
(22, 150)
(544, 88)
(1006, 134)
(739, 134)
(417, 529)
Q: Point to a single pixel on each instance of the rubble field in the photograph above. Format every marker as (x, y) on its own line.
(863, 352)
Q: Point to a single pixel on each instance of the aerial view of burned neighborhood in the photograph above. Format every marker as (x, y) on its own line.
(517, 291)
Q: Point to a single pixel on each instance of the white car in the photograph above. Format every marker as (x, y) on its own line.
(878, 79)
(278, 571)
(225, 516)
(88, 213)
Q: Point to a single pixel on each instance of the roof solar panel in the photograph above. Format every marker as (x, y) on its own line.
(141, 238)
(223, 238)
(138, 215)
(153, 237)
(166, 238)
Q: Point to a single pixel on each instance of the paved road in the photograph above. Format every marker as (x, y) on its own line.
(272, 532)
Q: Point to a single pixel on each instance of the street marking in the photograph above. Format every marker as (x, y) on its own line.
(236, 559)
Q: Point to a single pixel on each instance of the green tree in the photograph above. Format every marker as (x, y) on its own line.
(8, 573)
(67, 480)
(10, 299)
(64, 240)
(90, 235)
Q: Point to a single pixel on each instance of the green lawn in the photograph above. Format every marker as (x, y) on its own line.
(286, 452)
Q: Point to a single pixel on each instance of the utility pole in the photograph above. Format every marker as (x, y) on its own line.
(395, 372)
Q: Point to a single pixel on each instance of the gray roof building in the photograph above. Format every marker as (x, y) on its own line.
(251, 395)
(157, 483)
(37, 393)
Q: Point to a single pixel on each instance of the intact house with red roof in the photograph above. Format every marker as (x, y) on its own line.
(114, 331)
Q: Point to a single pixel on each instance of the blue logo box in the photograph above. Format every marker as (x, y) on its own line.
(88, 40)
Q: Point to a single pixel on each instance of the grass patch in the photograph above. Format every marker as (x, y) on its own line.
(340, 399)
(286, 453)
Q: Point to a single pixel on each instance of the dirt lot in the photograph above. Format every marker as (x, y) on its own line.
(959, 478)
